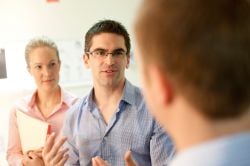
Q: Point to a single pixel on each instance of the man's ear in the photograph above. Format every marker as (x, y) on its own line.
(161, 85)
(128, 61)
(85, 58)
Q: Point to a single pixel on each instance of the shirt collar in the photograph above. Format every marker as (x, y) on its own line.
(127, 97)
(89, 100)
(65, 98)
(129, 93)
(32, 99)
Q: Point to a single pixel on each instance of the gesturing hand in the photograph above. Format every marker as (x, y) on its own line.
(129, 161)
(98, 161)
(53, 154)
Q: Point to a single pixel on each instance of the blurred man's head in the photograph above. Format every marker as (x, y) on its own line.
(202, 48)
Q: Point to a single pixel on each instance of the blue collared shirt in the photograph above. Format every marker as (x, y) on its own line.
(130, 128)
(229, 150)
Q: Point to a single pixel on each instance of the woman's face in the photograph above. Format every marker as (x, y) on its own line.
(44, 66)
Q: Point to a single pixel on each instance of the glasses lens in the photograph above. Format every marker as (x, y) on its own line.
(118, 54)
(99, 53)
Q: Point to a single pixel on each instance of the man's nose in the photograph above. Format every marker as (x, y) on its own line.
(109, 59)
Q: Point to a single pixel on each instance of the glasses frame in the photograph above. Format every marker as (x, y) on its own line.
(117, 53)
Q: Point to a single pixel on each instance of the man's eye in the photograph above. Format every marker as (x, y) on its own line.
(118, 53)
(101, 52)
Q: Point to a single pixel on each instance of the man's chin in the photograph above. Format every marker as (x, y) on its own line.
(108, 83)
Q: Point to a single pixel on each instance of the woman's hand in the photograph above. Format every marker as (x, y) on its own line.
(32, 159)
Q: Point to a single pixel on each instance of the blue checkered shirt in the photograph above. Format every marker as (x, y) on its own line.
(130, 128)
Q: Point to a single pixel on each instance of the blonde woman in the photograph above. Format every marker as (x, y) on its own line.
(49, 102)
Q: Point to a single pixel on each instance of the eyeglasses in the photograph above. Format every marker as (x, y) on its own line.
(102, 53)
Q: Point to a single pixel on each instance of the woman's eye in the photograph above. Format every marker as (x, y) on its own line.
(52, 64)
(38, 67)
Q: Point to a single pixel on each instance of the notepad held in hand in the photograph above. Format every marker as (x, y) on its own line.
(32, 131)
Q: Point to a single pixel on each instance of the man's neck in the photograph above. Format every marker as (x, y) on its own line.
(189, 127)
(104, 94)
(108, 98)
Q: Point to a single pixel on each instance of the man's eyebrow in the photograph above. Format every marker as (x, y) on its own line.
(99, 49)
(119, 49)
(115, 50)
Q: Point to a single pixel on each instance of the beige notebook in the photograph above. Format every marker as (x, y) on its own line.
(32, 131)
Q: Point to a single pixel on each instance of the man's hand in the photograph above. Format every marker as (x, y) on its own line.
(52, 153)
(98, 161)
(129, 161)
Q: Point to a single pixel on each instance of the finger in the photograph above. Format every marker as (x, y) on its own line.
(94, 162)
(28, 160)
(54, 150)
(25, 159)
(60, 155)
(100, 162)
(38, 152)
(129, 161)
(33, 156)
(49, 155)
(49, 142)
(63, 160)
(28, 152)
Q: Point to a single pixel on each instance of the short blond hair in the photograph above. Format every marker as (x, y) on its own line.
(40, 42)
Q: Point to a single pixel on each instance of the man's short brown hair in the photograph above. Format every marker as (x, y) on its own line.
(107, 26)
(203, 47)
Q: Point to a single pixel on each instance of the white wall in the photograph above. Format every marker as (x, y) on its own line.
(67, 19)
(65, 22)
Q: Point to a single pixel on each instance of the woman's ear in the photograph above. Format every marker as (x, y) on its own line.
(28, 69)
(59, 62)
